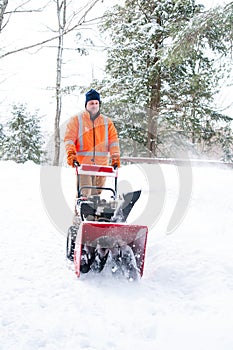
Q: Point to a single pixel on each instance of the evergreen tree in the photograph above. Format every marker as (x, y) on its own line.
(2, 138)
(226, 140)
(169, 98)
(23, 139)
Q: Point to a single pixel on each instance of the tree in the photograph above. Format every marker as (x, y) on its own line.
(226, 140)
(23, 140)
(61, 16)
(213, 27)
(2, 138)
(174, 92)
(139, 31)
(64, 25)
(3, 5)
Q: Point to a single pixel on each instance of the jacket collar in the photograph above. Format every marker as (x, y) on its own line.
(93, 117)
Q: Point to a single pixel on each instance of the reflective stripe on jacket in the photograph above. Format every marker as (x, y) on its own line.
(93, 140)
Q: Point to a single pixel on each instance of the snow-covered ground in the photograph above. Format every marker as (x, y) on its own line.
(184, 300)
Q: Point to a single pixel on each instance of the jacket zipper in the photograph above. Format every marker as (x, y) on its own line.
(93, 159)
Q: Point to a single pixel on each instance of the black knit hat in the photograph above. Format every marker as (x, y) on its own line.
(92, 95)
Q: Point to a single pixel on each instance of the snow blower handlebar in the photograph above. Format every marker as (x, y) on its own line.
(96, 170)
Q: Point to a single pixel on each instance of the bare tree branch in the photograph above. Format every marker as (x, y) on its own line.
(23, 11)
(3, 5)
(81, 21)
(18, 9)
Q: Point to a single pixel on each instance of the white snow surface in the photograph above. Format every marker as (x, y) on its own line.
(183, 301)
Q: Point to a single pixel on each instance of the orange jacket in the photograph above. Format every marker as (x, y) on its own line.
(93, 140)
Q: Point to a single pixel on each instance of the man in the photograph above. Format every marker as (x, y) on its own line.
(90, 137)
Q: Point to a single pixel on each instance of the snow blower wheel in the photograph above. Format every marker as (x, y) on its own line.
(70, 243)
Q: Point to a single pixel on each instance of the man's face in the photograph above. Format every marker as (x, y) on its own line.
(93, 106)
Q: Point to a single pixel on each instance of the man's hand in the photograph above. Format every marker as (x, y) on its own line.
(116, 163)
(71, 156)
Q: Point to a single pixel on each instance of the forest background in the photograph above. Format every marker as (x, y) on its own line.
(163, 68)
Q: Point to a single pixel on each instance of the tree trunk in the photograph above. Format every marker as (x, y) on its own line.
(152, 134)
(153, 113)
(154, 104)
(61, 15)
(3, 5)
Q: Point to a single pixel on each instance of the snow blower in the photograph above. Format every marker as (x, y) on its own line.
(100, 232)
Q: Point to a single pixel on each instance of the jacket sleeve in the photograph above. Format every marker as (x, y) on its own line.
(113, 138)
(71, 134)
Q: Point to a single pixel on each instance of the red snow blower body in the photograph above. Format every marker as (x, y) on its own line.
(100, 235)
